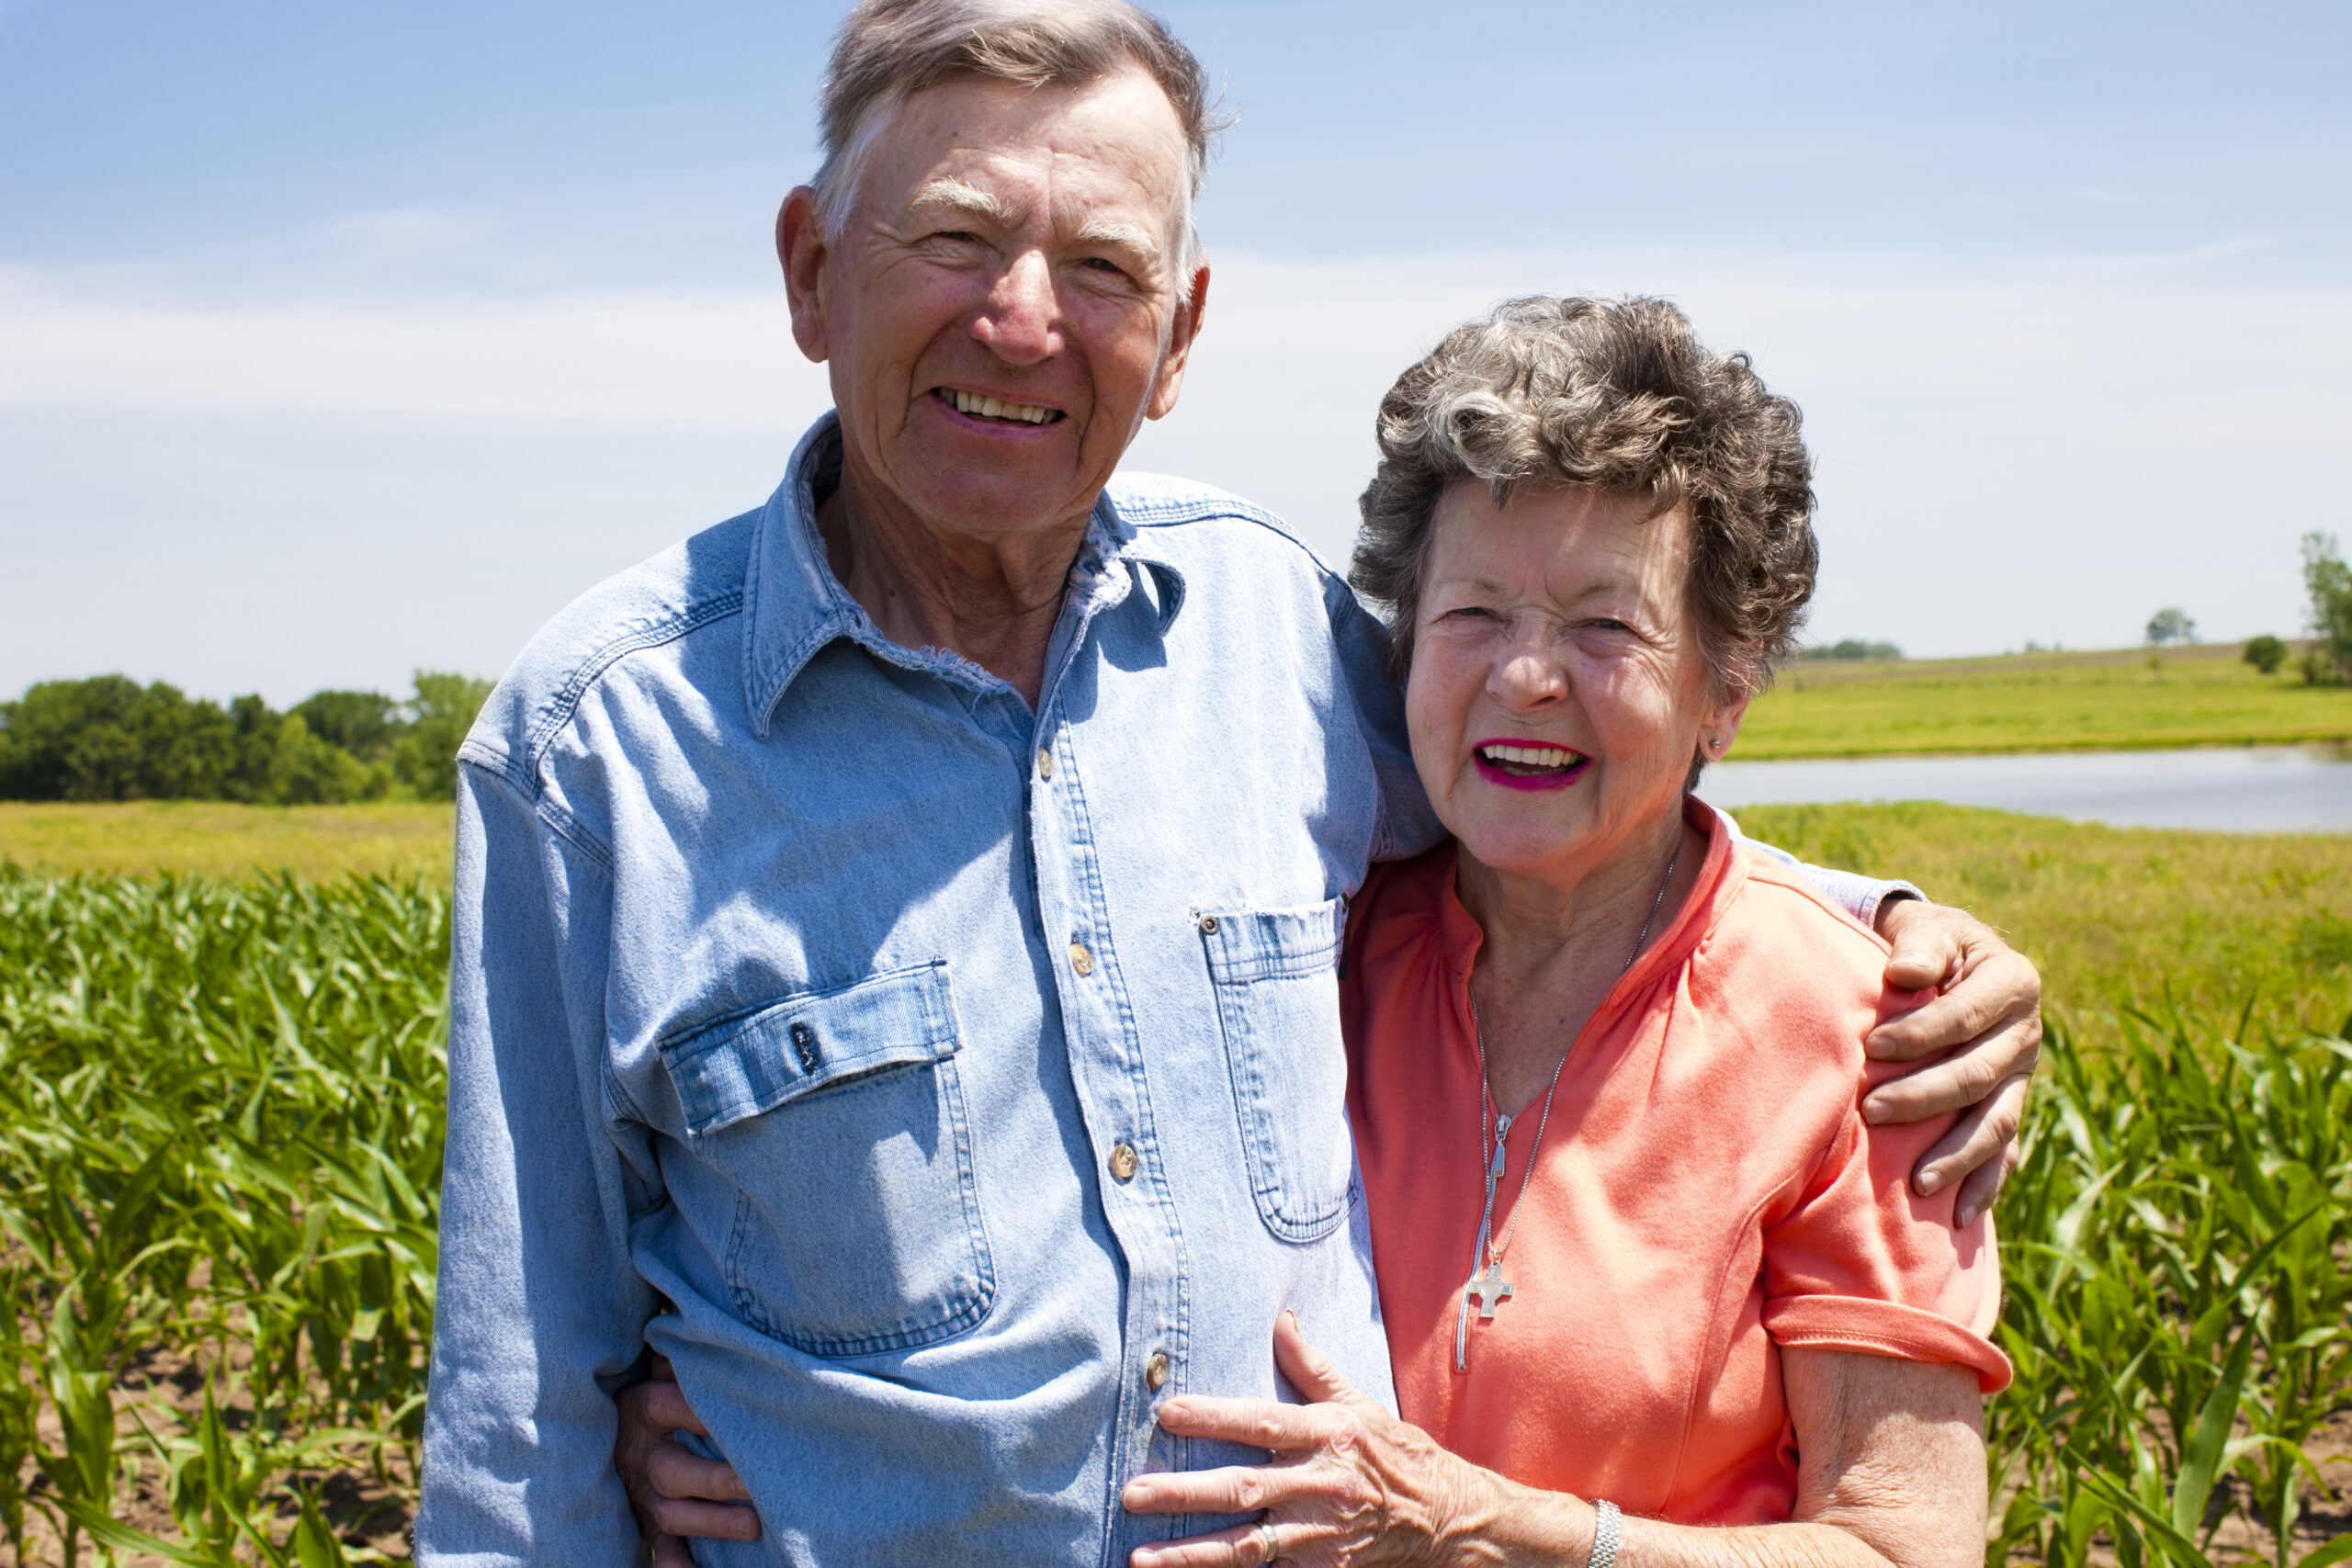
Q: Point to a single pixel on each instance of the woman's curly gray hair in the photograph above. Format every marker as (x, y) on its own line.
(1618, 395)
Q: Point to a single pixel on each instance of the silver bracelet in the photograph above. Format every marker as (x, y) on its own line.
(1604, 1535)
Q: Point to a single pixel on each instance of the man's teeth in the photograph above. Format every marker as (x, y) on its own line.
(1529, 756)
(992, 408)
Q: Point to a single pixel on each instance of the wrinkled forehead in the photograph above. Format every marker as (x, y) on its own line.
(1115, 143)
(1560, 542)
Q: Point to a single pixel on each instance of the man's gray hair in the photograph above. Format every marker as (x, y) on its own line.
(888, 49)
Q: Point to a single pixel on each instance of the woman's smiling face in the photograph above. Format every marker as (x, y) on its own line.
(1558, 691)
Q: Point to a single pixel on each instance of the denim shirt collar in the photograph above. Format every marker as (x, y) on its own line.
(794, 604)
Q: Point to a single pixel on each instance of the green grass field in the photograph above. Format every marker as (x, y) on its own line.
(2120, 699)
(2208, 922)
(219, 838)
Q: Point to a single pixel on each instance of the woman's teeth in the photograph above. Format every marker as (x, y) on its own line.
(992, 408)
(1531, 759)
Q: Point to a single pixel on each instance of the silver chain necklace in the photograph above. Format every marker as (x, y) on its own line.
(1488, 1287)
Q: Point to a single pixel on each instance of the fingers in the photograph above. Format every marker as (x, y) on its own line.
(1978, 1139)
(1927, 947)
(1991, 986)
(1979, 1152)
(1964, 1078)
(650, 1412)
(1257, 1423)
(662, 1372)
(678, 1471)
(1308, 1370)
(1239, 1547)
(1235, 1489)
(669, 1551)
(666, 1408)
(707, 1521)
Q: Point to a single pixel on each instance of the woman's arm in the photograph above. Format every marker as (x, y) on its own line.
(1890, 1471)
(1892, 1476)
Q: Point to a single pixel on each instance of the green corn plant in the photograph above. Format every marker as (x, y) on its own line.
(2176, 1310)
(19, 1405)
(222, 1106)
(221, 1133)
(81, 1390)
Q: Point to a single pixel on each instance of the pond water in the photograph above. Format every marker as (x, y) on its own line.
(2253, 789)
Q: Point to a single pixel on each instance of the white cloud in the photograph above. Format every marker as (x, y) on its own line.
(2032, 449)
(2044, 449)
(646, 361)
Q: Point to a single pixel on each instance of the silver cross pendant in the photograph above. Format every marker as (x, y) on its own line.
(1488, 1290)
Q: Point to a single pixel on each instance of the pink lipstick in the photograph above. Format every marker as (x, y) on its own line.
(1529, 764)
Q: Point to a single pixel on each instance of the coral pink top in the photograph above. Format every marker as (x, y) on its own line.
(1707, 1193)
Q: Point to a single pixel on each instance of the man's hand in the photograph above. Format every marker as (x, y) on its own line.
(1991, 1012)
(675, 1492)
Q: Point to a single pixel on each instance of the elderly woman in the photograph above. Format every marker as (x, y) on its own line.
(1638, 1253)
(1651, 1285)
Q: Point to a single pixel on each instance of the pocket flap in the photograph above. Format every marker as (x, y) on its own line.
(751, 1062)
(1269, 945)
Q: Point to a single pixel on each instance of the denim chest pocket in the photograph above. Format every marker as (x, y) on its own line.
(839, 1118)
(1276, 976)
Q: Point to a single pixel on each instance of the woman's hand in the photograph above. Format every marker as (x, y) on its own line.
(1988, 1017)
(1349, 1483)
(675, 1492)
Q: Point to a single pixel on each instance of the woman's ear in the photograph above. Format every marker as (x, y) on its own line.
(1719, 727)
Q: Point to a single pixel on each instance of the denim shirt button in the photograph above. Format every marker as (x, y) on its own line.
(1081, 960)
(1044, 763)
(1155, 1371)
(1123, 1163)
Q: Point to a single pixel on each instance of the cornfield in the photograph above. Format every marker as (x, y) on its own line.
(2176, 1256)
(220, 1181)
(217, 1181)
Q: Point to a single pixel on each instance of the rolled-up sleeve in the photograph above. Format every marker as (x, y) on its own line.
(1864, 1263)
(540, 1313)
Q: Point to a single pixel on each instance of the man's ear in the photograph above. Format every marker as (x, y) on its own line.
(801, 246)
(1187, 328)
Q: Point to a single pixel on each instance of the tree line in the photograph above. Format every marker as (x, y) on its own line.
(110, 738)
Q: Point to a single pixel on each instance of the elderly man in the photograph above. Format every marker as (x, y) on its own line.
(895, 933)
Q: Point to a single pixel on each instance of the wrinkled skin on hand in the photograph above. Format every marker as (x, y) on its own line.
(1348, 1483)
(1988, 1017)
(675, 1492)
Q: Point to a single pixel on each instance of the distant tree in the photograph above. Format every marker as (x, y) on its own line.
(439, 715)
(256, 723)
(365, 724)
(108, 738)
(2170, 625)
(2329, 582)
(305, 769)
(1855, 648)
(2266, 653)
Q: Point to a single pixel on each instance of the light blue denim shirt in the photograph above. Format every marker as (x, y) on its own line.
(966, 1081)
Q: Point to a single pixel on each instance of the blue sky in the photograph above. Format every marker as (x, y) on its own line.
(338, 339)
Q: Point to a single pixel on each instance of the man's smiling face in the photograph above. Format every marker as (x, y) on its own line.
(1002, 308)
